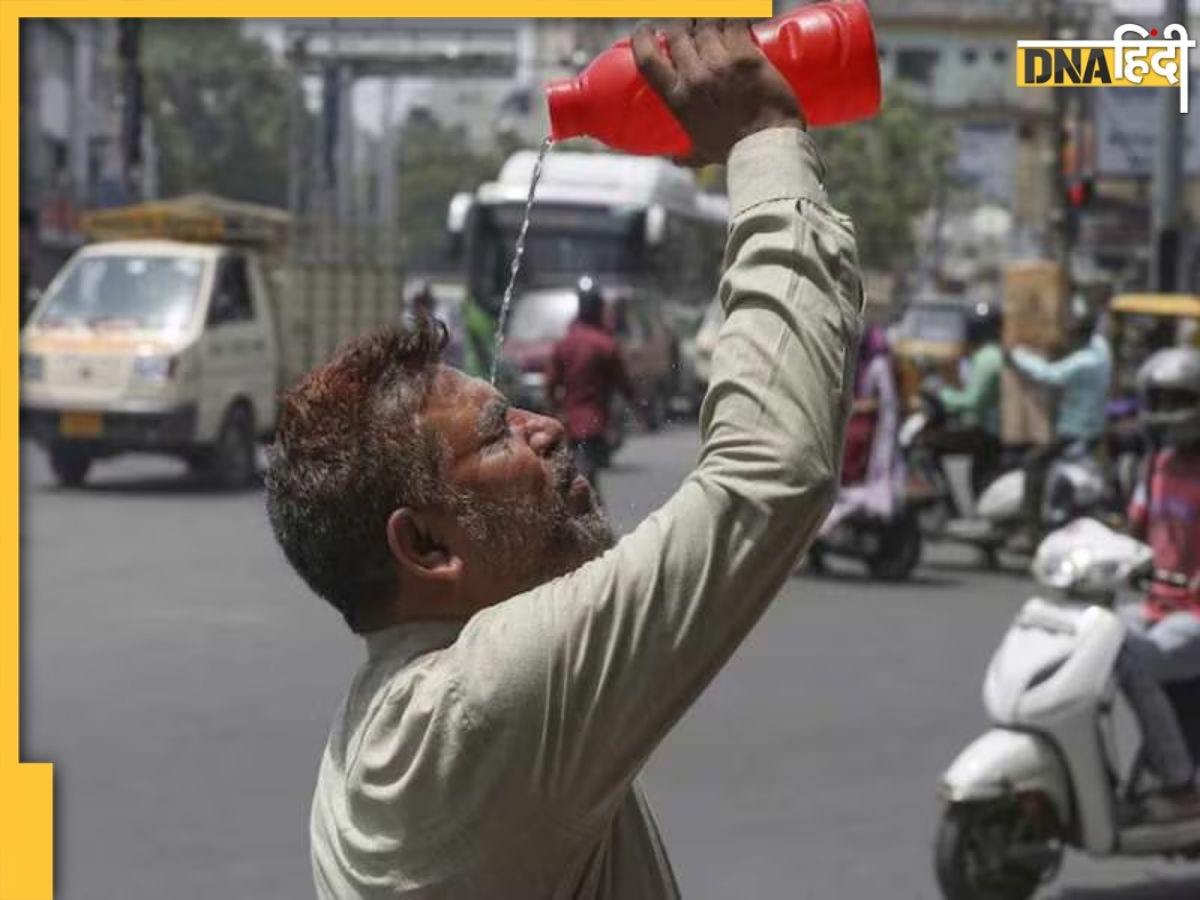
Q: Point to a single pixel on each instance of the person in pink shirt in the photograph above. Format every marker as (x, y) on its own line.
(586, 371)
(1163, 643)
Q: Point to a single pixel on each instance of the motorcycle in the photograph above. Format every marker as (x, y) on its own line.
(890, 548)
(1077, 484)
(1049, 774)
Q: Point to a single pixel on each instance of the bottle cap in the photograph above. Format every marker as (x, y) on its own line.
(564, 97)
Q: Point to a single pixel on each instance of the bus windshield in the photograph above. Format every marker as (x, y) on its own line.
(563, 244)
(155, 293)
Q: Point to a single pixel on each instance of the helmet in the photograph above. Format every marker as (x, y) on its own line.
(587, 289)
(1082, 315)
(591, 300)
(1169, 390)
(983, 323)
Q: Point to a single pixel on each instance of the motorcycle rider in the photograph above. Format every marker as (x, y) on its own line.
(977, 403)
(1163, 644)
(872, 484)
(586, 370)
(1081, 379)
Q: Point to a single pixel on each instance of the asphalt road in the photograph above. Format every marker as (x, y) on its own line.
(182, 680)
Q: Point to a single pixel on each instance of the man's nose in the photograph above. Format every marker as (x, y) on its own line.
(545, 434)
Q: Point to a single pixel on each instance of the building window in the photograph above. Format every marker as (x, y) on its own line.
(882, 53)
(916, 65)
(1000, 56)
(970, 55)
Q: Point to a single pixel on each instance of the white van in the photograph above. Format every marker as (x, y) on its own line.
(168, 345)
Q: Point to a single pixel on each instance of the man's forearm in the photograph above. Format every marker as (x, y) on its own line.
(792, 299)
(1042, 371)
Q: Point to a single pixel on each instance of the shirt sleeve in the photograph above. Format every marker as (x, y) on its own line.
(1138, 512)
(1051, 374)
(574, 683)
(984, 370)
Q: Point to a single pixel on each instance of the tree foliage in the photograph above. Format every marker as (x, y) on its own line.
(218, 103)
(435, 162)
(882, 173)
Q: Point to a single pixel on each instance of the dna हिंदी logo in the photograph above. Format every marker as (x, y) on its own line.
(1134, 57)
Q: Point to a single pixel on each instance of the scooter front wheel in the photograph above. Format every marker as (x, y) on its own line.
(994, 851)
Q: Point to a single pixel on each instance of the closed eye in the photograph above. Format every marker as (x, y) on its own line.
(494, 429)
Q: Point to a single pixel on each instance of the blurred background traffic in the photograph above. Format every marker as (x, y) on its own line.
(400, 154)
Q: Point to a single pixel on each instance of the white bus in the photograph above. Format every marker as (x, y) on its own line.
(639, 226)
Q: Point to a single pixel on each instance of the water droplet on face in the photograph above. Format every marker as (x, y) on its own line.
(518, 252)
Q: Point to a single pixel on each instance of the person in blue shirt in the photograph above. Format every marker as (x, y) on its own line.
(1081, 379)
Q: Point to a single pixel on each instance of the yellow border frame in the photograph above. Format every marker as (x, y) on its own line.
(27, 789)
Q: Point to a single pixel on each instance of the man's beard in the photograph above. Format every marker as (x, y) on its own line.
(531, 540)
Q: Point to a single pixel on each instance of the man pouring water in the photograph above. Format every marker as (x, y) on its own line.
(521, 667)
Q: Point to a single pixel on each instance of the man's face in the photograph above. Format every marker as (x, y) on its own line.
(526, 514)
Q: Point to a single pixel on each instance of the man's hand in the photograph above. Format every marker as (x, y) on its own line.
(716, 82)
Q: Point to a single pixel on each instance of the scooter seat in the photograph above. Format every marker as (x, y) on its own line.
(1185, 697)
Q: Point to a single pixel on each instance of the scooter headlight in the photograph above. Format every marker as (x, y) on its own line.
(1087, 558)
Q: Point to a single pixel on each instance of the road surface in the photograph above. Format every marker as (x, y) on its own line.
(182, 680)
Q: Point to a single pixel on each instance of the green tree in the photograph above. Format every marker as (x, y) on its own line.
(882, 173)
(218, 103)
(435, 162)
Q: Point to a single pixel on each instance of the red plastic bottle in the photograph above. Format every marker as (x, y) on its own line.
(826, 51)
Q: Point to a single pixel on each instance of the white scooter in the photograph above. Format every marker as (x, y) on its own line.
(1075, 486)
(1050, 774)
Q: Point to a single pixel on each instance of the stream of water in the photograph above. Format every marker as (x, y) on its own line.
(518, 252)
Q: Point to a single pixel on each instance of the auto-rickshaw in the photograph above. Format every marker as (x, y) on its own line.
(1140, 325)
(1144, 323)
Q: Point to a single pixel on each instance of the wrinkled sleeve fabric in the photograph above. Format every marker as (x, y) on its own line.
(573, 684)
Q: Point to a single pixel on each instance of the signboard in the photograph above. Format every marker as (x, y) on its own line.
(985, 160)
(1127, 126)
(430, 48)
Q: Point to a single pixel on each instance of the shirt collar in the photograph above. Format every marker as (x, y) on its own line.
(412, 638)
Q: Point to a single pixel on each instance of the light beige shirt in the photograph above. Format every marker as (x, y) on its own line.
(496, 759)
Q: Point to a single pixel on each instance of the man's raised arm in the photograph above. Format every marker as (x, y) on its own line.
(583, 676)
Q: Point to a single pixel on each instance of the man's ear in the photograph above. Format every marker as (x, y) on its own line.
(415, 545)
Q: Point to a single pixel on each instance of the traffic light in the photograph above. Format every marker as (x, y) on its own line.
(1080, 191)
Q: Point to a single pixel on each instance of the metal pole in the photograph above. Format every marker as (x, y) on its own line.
(1059, 207)
(387, 172)
(295, 138)
(129, 47)
(345, 163)
(1167, 216)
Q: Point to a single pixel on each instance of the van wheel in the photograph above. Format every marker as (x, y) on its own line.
(70, 465)
(229, 464)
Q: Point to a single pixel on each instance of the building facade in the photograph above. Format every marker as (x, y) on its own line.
(70, 115)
